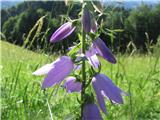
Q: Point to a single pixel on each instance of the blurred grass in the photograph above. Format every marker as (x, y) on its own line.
(22, 97)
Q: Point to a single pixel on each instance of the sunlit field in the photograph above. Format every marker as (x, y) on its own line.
(22, 97)
(80, 60)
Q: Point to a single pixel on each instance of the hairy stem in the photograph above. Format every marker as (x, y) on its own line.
(83, 72)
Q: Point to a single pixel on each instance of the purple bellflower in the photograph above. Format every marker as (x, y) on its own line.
(94, 26)
(91, 112)
(99, 48)
(86, 20)
(92, 57)
(71, 85)
(103, 51)
(56, 71)
(104, 87)
(64, 31)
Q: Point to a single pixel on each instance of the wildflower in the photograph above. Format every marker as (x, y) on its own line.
(94, 25)
(64, 31)
(103, 51)
(55, 71)
(104, 87)
(71, 85)
(91, 112)
(92, 57)
(86, 20)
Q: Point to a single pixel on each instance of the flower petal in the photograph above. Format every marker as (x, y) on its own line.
(99, 96)
(43, 70)
(62, 67)
(103, 50)
(71, 85)
(92, 57)
(94, 25)
(91, 112)
(64, 31)
(77, 67)
(86, 20)
(109, 89)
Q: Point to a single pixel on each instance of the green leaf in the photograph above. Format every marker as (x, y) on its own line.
(111, 35)
(74, 50)
(97, 6)
(118, 30)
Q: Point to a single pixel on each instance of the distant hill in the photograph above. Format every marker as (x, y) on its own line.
(132, 4)
(8, 4)
(127, 4)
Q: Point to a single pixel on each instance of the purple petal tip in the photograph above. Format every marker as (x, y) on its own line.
(104, 51)
(91, 112)
(62, 68)
(71, 85)
(64, 31)
(86, 20)
(104, 87)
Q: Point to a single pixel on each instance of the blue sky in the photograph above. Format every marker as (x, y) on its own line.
(133, 0)
(102, 0)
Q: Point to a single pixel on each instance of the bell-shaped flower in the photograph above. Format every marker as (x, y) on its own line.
(103, 51)
(64, 31)
(91, 112)
(94, 25)
(92, 57)
(56, 71)
(71, 85)
(86, 20)
(104, 87)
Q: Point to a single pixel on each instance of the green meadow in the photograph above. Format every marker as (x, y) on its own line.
(23, 99)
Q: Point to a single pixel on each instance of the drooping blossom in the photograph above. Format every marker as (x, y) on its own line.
(86, 20)
(103, 51)
(92, 57)
(63, 66)
(104, 87)
(91, 112)
(71, 85)
(56, 71)
(64, 31)
(99, 48)
(94, 25)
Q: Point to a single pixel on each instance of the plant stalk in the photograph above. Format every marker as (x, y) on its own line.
(83, 73)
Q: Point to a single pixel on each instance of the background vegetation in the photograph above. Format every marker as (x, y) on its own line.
(22, 97)
(129, 33)
(138, 26)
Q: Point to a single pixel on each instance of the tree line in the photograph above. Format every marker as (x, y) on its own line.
(31, 24)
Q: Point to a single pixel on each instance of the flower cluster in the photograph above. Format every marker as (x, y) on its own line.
(57, 71)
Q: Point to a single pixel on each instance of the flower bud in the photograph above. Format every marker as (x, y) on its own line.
(64, 31)
(94, 25)
(86, 20)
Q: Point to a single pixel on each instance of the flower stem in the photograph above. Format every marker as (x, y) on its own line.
(83, 72)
